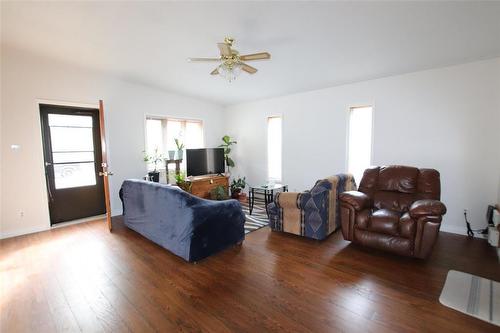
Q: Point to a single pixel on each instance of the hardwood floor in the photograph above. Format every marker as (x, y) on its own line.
(83, 278)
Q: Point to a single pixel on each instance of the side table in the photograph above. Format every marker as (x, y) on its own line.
(264, 192)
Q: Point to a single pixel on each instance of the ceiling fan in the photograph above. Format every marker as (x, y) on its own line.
(231, 62)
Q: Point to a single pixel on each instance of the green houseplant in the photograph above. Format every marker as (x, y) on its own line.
(237, 185)
(180, 179)
(218, 193)
(227, 143)
(154, 158)
(180, 147)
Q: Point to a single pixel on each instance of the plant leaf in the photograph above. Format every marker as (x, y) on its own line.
(230, 162)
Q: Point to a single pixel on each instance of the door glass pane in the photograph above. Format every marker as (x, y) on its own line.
(74, 175)
(68, 157)
(66, 120)
(71, 139)
(72, 150)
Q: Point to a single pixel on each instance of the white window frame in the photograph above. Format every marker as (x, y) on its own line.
(372, 139)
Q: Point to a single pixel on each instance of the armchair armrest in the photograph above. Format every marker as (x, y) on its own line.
(427, 208)
(287, 200)
(358, 200)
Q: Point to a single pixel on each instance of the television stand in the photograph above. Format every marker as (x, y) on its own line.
(202, 185)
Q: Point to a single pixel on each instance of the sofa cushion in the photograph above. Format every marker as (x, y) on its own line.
(385, 221)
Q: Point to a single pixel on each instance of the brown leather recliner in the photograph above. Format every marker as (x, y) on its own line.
(396, 209)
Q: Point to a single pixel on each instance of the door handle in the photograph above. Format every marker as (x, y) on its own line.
(106, 173)
(48, 164)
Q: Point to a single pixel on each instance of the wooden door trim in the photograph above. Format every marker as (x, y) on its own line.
(104, 165)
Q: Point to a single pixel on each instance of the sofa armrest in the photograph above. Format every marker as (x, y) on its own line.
(427, 208)
(358, 200)
(215, 226)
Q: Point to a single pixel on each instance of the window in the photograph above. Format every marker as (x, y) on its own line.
(359, 149)
(161, 132)
(274, 148)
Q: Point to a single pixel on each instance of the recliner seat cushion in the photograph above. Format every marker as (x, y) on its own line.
(395, 244)
(385, 221)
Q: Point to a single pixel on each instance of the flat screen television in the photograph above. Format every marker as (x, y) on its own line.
(205, 161)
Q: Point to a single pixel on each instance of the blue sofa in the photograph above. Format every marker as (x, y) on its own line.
(188, 226)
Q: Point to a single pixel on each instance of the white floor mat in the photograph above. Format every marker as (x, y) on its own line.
(472, 295)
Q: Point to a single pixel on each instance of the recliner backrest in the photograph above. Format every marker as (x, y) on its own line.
(396, 187)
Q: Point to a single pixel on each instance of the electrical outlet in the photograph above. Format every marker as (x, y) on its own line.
(21, 213)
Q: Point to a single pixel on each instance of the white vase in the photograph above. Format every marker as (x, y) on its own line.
(171, 154)
(180, 154)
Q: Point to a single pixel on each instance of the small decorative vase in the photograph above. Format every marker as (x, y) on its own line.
(180, 154)
(171, 155)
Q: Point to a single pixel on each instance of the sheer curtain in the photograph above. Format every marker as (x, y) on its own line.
(274, 148)
(360, 141)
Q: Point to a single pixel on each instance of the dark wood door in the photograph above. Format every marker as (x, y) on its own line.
(73, 157)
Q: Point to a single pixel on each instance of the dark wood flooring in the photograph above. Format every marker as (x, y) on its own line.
(83, 278)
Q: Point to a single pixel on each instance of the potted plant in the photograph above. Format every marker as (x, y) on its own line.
(218, 193)
(180, 147)
(180, 179)
(237, 185)
(171, 155)
(227, 143)
(154, 158)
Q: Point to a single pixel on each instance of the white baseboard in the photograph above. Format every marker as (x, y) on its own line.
(460, 231)
(28, 231)
(454, 229)
(21, 232)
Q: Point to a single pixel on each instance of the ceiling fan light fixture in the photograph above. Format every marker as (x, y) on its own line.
(231, 62)
(229, 71)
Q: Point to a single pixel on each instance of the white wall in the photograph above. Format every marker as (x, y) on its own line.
(447, 119)
(26, 78)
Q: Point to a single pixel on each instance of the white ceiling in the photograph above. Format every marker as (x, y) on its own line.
(313, 45)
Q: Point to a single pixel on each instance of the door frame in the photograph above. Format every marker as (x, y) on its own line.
(56, 206)
(95, 105)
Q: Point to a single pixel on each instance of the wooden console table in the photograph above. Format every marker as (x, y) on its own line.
(202, 185)
(177, 167)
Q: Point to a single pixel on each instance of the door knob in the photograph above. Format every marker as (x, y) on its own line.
(105, 173)
(48, 164)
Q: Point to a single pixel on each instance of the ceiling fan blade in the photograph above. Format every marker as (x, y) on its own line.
(248, 69)
(215, 71)
(225, 49)
(203, 59)
(255, 56)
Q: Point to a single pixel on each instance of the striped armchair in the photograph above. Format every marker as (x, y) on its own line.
(315, 213)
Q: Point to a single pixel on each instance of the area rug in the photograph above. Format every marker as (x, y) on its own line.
(472, 295)
(257, 220)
